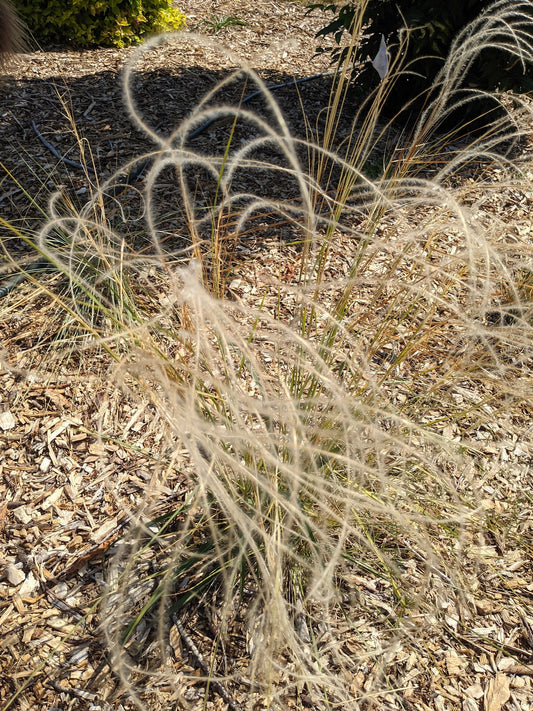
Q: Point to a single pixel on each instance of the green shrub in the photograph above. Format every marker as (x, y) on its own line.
(116, 23)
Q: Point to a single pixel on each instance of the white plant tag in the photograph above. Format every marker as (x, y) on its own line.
(381, 60)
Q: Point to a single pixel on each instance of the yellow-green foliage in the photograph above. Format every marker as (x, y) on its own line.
(114, 22)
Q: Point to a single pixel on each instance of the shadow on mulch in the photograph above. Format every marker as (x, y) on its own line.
(30, 173)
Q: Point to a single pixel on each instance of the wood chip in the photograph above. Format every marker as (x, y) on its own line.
(497, 693)
(7, 421)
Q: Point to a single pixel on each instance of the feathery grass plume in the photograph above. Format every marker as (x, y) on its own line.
(506, 25)
(73, 249)
(11, 33)
(452, 111)
(324, 421)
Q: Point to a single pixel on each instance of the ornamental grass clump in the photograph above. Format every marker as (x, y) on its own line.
(323, 425)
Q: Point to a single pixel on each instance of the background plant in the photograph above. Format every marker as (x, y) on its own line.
(422, 34)
(118, 23)
(216, 23)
